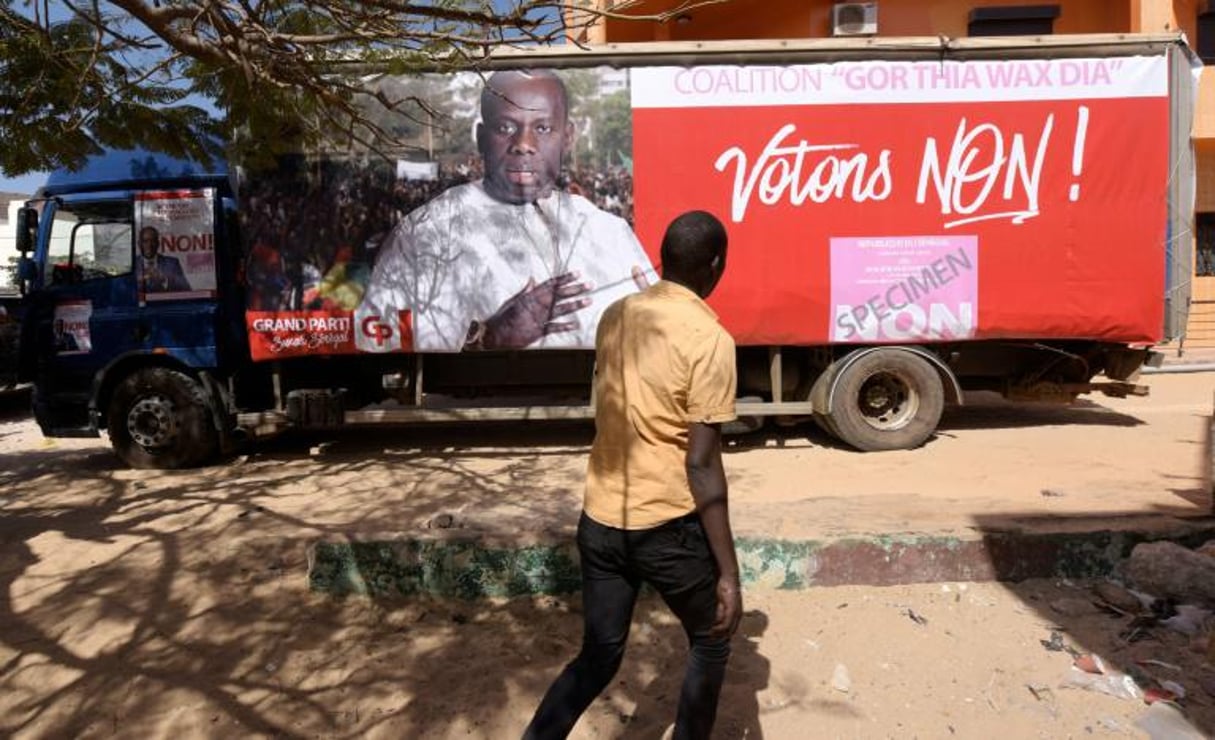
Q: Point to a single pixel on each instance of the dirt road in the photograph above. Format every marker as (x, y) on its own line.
(145, 604)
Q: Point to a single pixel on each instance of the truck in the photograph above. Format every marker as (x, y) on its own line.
(909, 219)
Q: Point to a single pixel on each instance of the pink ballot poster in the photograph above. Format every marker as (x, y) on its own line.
(900, 288)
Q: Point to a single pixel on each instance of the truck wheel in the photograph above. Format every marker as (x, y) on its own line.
(158, 418)
(887, 400)
(823, 422)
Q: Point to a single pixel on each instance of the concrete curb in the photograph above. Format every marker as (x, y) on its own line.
(470, 568)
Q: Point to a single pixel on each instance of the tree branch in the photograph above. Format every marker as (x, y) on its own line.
(107, 76)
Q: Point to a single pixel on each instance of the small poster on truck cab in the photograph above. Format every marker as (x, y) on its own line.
(175, 244)
(867, 202)
(70, 325)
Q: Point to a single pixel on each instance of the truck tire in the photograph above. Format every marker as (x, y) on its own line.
(823, 422)
(886, 400)
(159, 418)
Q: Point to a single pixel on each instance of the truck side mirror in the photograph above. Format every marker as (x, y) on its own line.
(27, 229)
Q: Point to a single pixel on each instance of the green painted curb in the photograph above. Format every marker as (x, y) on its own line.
(468, 569)
(451, 569)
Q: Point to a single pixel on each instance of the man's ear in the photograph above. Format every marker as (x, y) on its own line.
(478, 136)
(571, 136)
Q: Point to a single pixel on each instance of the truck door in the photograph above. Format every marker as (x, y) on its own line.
(83, 310)
(106, 297)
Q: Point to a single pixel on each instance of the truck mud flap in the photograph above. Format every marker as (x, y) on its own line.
(10, 336)
(316, 409)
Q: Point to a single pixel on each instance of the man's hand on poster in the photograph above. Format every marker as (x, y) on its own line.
(530, 314)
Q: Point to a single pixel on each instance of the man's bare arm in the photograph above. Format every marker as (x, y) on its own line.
(707, 479)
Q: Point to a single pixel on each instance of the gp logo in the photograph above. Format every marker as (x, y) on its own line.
(374, 333)
(376, 330)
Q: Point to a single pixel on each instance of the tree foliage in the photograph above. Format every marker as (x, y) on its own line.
(264, 76)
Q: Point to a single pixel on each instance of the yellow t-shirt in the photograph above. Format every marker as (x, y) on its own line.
(662, 363)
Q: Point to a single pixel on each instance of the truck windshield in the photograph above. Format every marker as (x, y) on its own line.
(90, 240)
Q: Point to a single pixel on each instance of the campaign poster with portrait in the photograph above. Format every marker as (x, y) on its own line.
(968, 200)
(518, 189)
(70, 327)
(175, 244)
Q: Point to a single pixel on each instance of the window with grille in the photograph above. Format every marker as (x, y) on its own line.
(1205, 45)
(1204, 260)
(1013, 20)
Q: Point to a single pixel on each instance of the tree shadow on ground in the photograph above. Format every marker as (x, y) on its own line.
(1149, 655)
(1095, 546)
(145, 603)
(1082, 552)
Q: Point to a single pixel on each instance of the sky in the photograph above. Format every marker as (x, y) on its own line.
(24, 184)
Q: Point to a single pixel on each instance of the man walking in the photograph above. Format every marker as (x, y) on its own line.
(655, 507)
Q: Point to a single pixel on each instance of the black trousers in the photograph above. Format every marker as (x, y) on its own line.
(675, 560)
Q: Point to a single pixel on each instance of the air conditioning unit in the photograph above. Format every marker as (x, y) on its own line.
(854, 19)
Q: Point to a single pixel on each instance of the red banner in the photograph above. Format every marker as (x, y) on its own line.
(283, 334)
(1054, 210)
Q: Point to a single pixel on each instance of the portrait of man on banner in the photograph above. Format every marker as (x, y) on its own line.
(511, 260)
(158, 273)
(508, 226)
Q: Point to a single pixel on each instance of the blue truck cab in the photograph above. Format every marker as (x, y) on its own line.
(104, 344)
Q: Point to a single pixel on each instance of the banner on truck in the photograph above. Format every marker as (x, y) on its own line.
(866, 202)
(407, 170)
(175, 244)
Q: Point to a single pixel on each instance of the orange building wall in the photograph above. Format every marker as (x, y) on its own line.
(759, 19)
(1155, 16)
(1185, 17)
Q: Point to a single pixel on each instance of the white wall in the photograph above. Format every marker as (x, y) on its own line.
(8, 245)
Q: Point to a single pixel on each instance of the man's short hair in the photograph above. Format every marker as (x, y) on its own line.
(489, 92)
(692, 242)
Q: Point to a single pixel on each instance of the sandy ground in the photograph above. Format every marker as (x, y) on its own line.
(146, 604)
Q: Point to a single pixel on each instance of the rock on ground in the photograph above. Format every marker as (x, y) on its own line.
(1168, 570)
